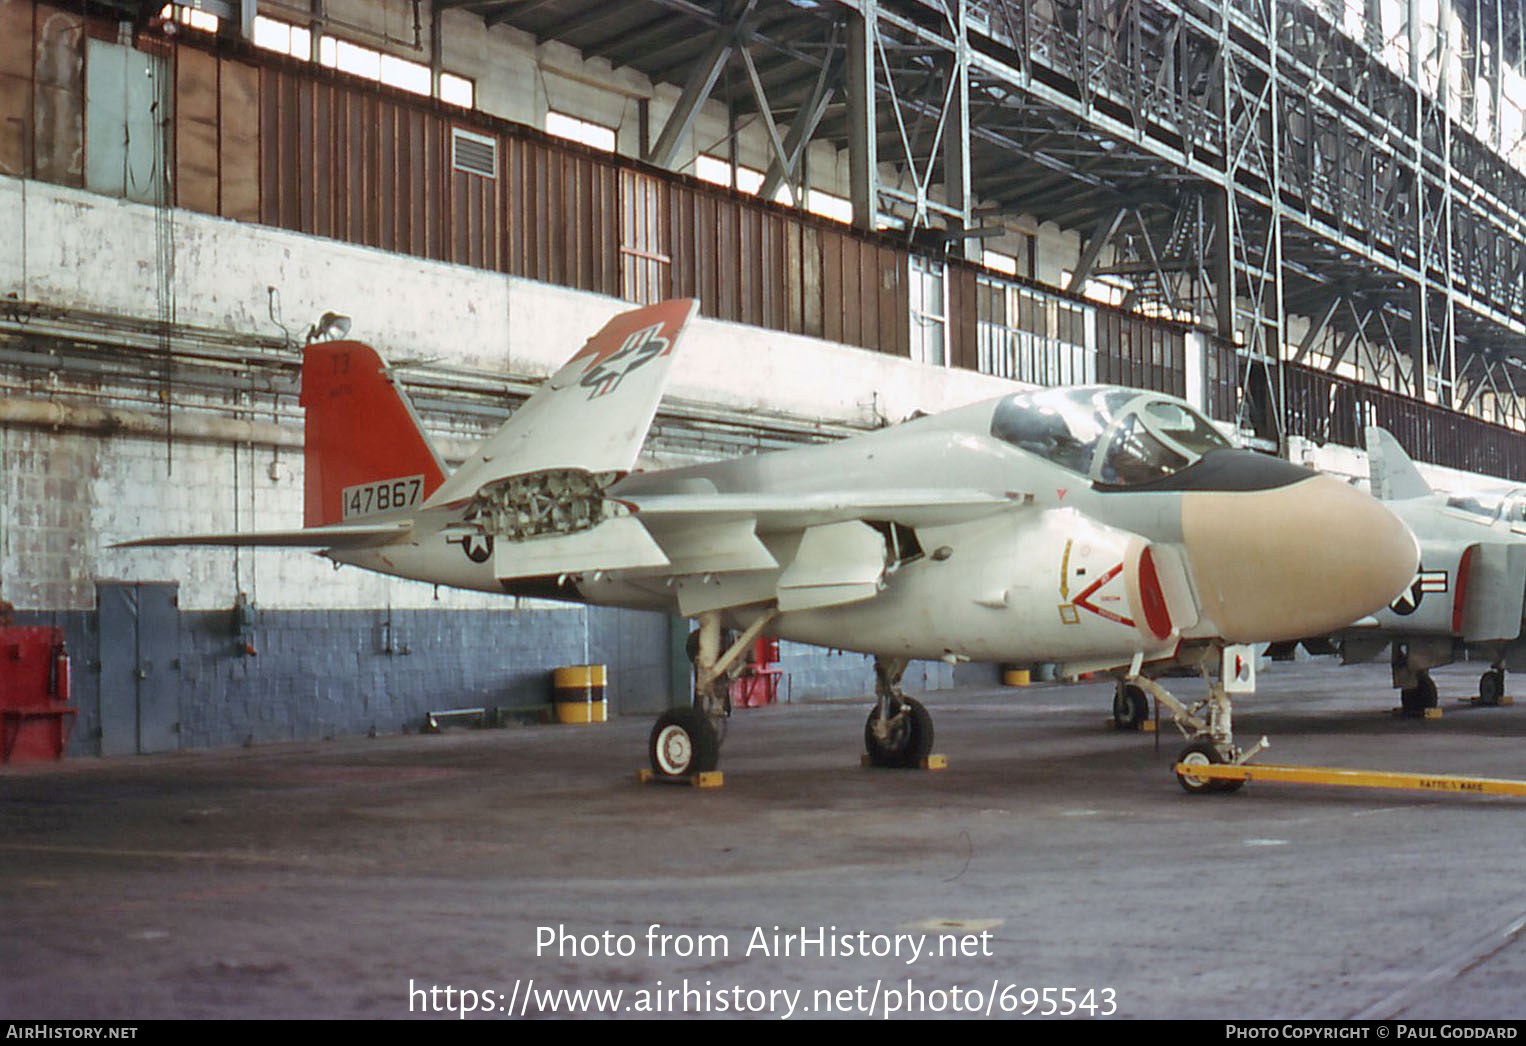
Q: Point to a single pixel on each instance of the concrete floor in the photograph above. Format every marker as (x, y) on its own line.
(326, 879)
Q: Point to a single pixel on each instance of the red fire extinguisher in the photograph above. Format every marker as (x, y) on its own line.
(58, 685)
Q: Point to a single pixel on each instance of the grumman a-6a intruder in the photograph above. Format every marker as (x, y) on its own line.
(1100, 528)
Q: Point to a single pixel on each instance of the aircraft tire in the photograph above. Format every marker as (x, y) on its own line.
(1203, 753)
(684, 742)
(909, 742)
(1491, 686)
(1131, 707)
(1414, 700)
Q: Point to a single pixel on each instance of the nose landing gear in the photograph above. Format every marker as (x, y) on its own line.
(1209, 729)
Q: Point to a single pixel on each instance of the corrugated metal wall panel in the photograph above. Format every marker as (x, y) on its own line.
(811, 301)
(387, 194)
(835, 291)
(309, 141)
(196, 130)
(413, 183)
(271, 148)
(58, 98)
(15, 88)
(894, 334)
(963, 310)
(239, 140)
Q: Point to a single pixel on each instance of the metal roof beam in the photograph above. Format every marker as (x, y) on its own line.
(701, 82)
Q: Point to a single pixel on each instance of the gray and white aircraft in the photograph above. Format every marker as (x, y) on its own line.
(1100, 528)
(1469, 593)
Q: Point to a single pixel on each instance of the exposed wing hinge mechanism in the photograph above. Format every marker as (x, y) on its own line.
(542, 504)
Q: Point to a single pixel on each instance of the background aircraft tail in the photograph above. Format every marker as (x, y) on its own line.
(367, 455)
(1393, 475)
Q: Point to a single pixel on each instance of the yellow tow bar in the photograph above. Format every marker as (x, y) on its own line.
(1324, 775)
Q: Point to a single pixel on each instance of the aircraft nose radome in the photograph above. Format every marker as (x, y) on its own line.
(1297, 561)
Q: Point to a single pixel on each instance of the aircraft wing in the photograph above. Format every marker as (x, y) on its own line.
(822, 549)
(594, 413)
(912, 508)
(367, 535)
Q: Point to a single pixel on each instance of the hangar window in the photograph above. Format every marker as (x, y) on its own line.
(283, 38)
(373, 65)
(739, 177)
(749, 180)
(1030, 336)
(458, 90)
(597, 135)
(187, 15)
(296, 41)
(929, 311)
(829, 205)
(1000, 262)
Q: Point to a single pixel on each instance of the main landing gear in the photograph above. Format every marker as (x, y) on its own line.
(687, 741)
(1411, 662)
(1209, 729)
(899, 731)
(1415, 700)
(1491, 686)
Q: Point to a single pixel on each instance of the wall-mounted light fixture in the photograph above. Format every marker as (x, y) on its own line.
(331, 326)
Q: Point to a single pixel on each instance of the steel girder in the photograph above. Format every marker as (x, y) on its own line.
(1277, 180)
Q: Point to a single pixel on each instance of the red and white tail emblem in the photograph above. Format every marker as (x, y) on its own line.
(605, 373)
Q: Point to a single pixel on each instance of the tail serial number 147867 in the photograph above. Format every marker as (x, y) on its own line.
(386, 495)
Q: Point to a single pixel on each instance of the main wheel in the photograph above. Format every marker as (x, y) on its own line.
(683, 742)
(1131, 706)
(908, 740)
(1414, 700)
(1202, 753)
(1491, 686)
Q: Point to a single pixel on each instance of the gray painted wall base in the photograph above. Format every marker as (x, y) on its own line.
(317, 674)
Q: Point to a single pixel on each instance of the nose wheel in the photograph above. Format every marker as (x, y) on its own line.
(1202, 753)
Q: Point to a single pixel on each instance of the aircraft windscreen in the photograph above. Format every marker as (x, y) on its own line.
(1119, 437)
(1515, 509)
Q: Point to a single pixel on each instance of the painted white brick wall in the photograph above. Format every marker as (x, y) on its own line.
(65, 498)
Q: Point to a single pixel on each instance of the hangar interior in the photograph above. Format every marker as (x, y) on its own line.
(1304, 216)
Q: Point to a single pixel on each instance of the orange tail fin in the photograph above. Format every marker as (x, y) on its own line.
(366, 453)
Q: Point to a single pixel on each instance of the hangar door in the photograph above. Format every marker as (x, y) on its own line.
(140, 638)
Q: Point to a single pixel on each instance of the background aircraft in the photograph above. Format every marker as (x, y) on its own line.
(1098, 527)
(1467, 596)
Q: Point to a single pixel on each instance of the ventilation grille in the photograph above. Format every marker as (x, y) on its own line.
(473, 153)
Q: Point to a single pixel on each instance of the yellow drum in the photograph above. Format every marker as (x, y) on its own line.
(579, 694)
(1015, 677)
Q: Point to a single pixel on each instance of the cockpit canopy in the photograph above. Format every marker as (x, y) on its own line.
(1489, 507)
(1114, 437)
